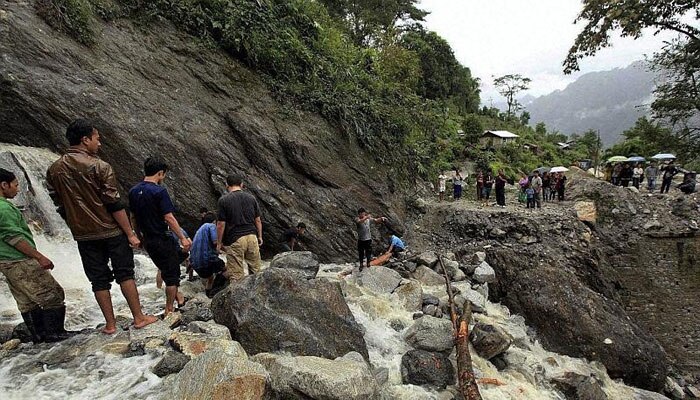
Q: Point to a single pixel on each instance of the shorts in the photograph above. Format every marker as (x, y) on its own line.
(213, 267)
(165, 254)
(96, 256)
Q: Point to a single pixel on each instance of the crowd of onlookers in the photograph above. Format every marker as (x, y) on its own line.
(533, 189)
(627, 174)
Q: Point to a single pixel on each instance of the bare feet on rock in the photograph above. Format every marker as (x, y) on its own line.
(109, 330)
(146, 320)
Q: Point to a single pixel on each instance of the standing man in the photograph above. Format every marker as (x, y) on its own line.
(501, 188)
(39, 297)
(239, 229)
(669, 172)
(651, 172)
(153, 213)
(536, 185)
(442, 180)
(364, 235)
(85, 189)
(292, 236)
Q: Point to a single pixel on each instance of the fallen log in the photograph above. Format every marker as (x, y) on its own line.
(467, 385)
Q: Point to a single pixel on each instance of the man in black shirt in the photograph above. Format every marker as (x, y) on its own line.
(153, 213)
(239, 229)
(292, 236)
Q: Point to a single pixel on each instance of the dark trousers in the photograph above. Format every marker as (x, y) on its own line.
(479, 192)
(530, 202)
(458, 192)
(666, 185)
(560, 194)
(107, 260)
(501, 196)
(635, 182)
(364, 249)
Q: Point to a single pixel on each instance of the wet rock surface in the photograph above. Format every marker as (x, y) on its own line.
(379, 279)
(217, 375)
(307, 377)
(305, 262)
(277, 310)
(431, 334)
(420, 367)
(489, 340)
(171, 363)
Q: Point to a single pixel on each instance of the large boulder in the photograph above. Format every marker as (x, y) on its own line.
(306, 377)
(380, 279)
(428, 277)
(278, 310)
(409, 295)
(216, 375)
(431, 334)
(305, 262)
(420, 367)
(489, 340)
(572, 319)
(428, 258)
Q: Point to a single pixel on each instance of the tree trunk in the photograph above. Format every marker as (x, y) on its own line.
(466, 381)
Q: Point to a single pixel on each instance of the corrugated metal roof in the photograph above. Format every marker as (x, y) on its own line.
(502, 134)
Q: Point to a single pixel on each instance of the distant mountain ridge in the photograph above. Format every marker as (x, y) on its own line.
(609, 101)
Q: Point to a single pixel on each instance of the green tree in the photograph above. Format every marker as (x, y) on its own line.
(443, 77)
(509, 86)
(367, 20)
(629, 17)
(589, 144)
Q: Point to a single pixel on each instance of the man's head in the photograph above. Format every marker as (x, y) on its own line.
(234, 180)
(208, 217)
(301, 227)
(9, 186)
(361, 212)
(155, 168)
(537, 173)
(82, 133)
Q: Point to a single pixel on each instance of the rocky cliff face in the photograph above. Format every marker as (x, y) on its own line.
(154, 91)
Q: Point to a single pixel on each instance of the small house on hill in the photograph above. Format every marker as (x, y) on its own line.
(496, 138)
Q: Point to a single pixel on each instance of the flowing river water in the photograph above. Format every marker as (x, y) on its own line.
(100, 375)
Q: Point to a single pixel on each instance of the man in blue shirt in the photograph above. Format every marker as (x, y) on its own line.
(203, 256)
(396, 245)
(153, 211)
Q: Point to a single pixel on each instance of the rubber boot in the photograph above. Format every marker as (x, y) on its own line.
(54, 319)
(37, 316)
(30, 321)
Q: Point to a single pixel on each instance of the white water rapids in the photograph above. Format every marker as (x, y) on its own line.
(98, 375)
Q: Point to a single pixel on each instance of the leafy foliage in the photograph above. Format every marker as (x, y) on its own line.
(509, 86)
(630, 17)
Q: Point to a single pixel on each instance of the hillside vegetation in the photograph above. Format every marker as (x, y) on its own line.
(373, 71)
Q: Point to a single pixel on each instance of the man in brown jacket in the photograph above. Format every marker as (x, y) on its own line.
(85, 190)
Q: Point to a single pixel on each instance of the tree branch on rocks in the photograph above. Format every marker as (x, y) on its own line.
(460, 325)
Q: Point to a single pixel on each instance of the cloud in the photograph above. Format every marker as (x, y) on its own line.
(532, 38)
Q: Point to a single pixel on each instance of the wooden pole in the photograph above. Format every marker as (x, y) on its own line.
(466, 380)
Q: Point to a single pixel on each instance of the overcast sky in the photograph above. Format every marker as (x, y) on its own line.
(529, 37)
